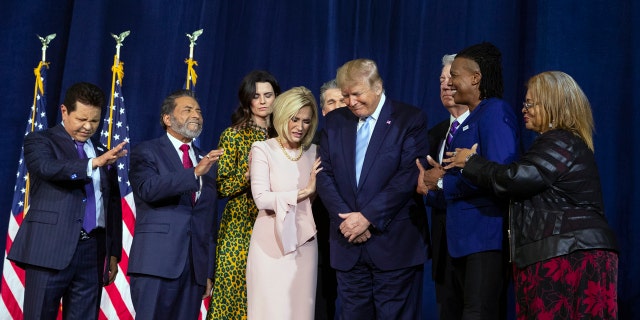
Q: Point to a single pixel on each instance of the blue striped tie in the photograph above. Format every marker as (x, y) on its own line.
(452, 130)
(362, 141)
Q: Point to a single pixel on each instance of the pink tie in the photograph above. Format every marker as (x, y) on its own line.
(187, 164)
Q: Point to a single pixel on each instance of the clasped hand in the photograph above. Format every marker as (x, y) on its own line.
(355, 227)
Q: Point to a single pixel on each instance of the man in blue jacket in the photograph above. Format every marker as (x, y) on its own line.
(474, 223)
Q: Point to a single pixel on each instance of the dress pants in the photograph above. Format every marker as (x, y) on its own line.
(78, 285)
(476, 287)
(365, 292)
(156, 298)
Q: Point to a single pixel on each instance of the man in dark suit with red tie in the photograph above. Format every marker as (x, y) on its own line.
(173, 250)
(378, 225)
(71, 238)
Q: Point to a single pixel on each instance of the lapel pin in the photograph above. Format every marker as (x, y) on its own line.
(388, 121)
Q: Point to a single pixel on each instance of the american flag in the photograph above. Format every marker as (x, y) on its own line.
(190, 84)
(12, 289)
(116, 298)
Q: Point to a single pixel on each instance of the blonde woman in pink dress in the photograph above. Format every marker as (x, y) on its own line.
(283, 252)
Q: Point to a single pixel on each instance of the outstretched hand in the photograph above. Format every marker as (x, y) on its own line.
(459, 157)
(204, 165)
(312, 176)
(431, 176)
(110, 156)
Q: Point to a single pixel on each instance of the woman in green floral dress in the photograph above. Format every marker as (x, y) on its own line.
(250, 122)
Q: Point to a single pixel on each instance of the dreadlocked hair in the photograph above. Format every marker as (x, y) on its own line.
(489, 59)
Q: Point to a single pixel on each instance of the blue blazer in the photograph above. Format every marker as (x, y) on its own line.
(168, 227)
(474, 216)
(386, 195)
(49, 234)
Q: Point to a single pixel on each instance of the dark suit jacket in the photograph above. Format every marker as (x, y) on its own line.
(49, 234)
(167, 225)
(474, 216)
(435, 200)
(386, 195)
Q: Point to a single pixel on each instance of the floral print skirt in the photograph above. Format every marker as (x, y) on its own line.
(580, 285)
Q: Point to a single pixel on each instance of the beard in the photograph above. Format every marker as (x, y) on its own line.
(183, 128)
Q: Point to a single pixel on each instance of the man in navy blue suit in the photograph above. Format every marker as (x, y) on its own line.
(378, 225)
(172, 254)
(71, 238)
(474, 223)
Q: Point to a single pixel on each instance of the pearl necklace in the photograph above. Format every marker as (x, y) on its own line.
(286, 154)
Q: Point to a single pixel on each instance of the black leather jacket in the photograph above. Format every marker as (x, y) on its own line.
(556, 201)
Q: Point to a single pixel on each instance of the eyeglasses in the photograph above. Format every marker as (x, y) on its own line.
(528, 105)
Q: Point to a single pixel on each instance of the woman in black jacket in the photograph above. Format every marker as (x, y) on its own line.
(564, 253)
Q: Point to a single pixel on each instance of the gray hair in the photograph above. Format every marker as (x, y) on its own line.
(447, 59)
(331, 84)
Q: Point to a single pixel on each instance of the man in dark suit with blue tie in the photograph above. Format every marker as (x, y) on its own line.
(71, 238)
(173, 250)
(474, 224)
(378, 224)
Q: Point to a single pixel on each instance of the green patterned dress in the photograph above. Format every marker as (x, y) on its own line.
(229, 298)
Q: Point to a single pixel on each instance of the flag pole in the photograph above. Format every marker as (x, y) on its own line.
(191, 73)
(38, 87)
(117, 68)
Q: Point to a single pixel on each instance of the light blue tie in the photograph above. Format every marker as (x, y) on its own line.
(362, 141)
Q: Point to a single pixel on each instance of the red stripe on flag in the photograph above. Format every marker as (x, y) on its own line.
(124, 263)
(8, 245)
(117, 302)
(18, 217)
(10, 300)
(127, 215)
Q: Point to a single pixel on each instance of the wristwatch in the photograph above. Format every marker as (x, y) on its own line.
(439, 183)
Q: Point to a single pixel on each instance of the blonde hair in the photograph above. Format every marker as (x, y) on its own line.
(287, 105)
(354, 71)
(564, 103)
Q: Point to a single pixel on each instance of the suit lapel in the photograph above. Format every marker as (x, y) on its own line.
(377, 139)
(467, 123)
(65, 142)
(170, 154)
(350, 132)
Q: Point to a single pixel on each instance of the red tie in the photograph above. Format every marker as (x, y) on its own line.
(186, 163)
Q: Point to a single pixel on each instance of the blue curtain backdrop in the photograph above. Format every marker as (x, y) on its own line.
(303, 42)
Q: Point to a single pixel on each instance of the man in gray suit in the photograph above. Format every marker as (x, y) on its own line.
(74, 221)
